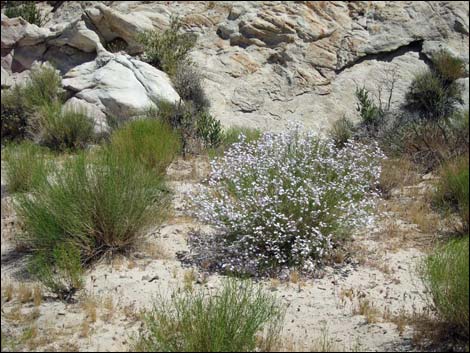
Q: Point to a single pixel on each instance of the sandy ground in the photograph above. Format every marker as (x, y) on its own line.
(354, 306)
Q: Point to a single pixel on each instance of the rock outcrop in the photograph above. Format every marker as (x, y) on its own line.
(263, 62)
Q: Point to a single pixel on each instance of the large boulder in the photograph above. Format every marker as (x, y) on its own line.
(119, 85)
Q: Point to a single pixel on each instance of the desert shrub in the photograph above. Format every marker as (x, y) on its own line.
(167, 50)
(342, 131)
(116, 45)
(285, 199)
(14, 115)
(208, 129)
(448, 67)
(229, 320)
(26, 166)
(98, 203)
(188, 83)
(446, 276)
(396, 173)
(434, 94)
(150, 142)
(25, 9)
(43, 88)
(368, 110)
(196, 127)
(61, 272)
(62, 130)
(453, 188)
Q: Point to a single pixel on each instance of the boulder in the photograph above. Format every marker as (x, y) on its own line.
(119, 85)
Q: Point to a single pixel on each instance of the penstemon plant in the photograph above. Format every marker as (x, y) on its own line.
(286, 199)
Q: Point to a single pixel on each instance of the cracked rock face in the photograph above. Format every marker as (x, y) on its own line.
(263, 62)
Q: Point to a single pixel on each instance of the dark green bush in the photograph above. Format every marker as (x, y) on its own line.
(64, 129)
(446, 276)
(26, 166)
(151, 142)
(14, 115)
(94, 204)
(226, 321)
(168, 49)
(25, 9)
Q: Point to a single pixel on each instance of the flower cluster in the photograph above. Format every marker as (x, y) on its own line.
(285, 199)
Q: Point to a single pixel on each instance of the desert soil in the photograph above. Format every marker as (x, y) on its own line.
(355, 305)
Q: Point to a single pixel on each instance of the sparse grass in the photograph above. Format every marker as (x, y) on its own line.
(89, 305)
(108, 309)
(96, 204)
(226, 321)
(446, 276)
(8, 291)
(25, 293)
(367, 309)
(150, 142)
(397, 173)
(37, 295)
(26, 168)
(189, 279)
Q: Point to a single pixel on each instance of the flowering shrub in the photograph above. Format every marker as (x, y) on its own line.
(285, 199)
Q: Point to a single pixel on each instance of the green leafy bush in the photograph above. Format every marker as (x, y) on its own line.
(98, 203)
(229, 320)
(167, 50)
(62, 130)
(26, 166)
(149, 141)
(446, 276)
(25, 9)
(208, 129)
(368, 110)
(453, 188)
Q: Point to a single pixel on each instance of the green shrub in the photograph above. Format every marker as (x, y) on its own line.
(98, 203)
(26, 166)
(226, 321)
(368, 110)
(151, 142)
(188, 83)
(61, 272)
(43, 88)
(64, 130)
(446, 276)
(167, 50)
(342, 131)
(453, 187)
(14, 115)
(25, 9)
(208, 129)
